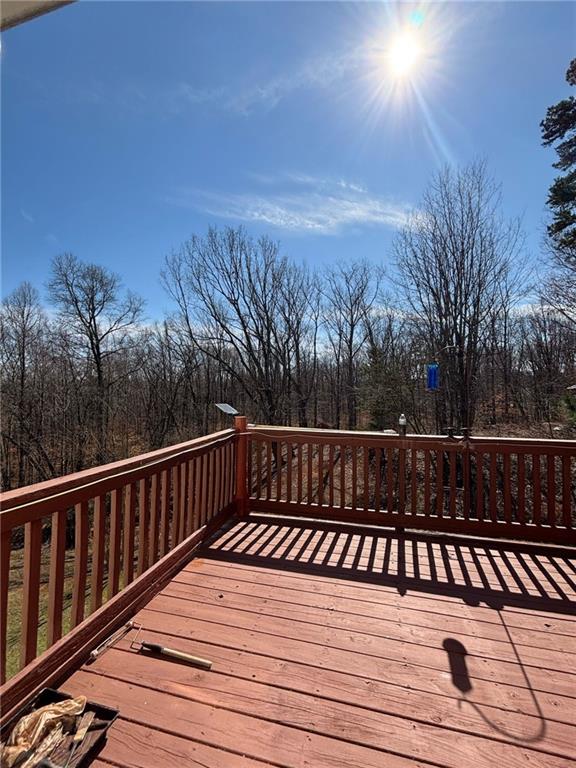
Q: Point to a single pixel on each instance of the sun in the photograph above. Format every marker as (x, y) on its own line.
(404, 54)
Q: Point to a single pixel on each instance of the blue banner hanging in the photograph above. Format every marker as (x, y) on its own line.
(432, 376)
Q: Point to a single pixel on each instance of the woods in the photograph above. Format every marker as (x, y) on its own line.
(88, 378)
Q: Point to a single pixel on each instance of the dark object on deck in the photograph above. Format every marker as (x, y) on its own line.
(171, 653)
(103, 717)
(458, 669)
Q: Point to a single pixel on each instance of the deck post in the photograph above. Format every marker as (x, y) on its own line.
(241, 495)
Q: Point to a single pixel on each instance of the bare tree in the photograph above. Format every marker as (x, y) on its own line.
(349, 294)
(453, 258)
(102, 321)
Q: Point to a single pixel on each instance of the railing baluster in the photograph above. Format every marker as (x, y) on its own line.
(427, 509)
(390, 479)
(342, 476)
(154, 520)
(289, 459)
(551, 491)
(278, 470)
(536, 489)
(31, 589)
(354, 450)
(566, 492)
(164, 512)
(56, 577)
(80, 562)
(377, 479)
(115, 542)
(440, 483)
(479, 485)
(129, 529)
(183, 504)
(300, 479)
(320, 475)
(506, 478)
(466, 502)
(98, 545)
(309, 467)
(401, 479)
(5, 547)
(493, 486)
(366, 467)
(175, 523)
(143, 526)
(521, 489)
(331, 475)
(413, 481)
(190, 501)
(268, 470)
(452, 499)
(259, 446)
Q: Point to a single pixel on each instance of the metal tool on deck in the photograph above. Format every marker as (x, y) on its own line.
(172, 653)
(105, 644)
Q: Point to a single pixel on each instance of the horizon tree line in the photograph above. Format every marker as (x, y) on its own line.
(344, 347)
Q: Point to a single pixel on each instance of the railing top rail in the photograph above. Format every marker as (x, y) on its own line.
(63, 487)
(309, 432)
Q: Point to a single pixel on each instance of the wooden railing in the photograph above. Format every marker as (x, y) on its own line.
(514, 488)
(69, 545)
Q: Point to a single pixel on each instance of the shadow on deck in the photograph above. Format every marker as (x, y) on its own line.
(478, 571)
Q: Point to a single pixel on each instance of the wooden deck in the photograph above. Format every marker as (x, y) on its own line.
(337, 646)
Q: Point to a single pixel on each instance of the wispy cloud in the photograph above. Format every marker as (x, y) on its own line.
(246, 98)
(312, 205)
(27, 216)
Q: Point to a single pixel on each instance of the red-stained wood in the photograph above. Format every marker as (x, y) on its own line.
(279, 469)
(268, 469)
(453, 492)
(115, 552)
(440, 483)
(521, 486)
(536, 490)
(309, 461)
(175, 504)
(190, 501)
(129, 532)
(289, 462)
(427, 510)
(401, 480)
(377, 479)
(154, 520)
(258, 446)
(551, 491)
(241, 459)
(5, 547)
(493, 486)
(31, 590)
(330, 476)
(343, 462)
(366, 479)
(73, 649)
(300, 478)
(467, 498)
(390, 479)
(320, 475)
(164, 512)
(479, 486)
(354, 450)
(566, 491)
(98, 553)
(56, 576)
(143, 525)
(506, 479)
(81, 525)
(183, 501)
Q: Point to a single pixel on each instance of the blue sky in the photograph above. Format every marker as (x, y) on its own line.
(128, 126)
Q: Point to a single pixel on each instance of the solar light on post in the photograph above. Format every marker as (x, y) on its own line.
(402, 422)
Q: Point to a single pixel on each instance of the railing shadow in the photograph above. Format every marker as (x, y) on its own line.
(478, 571)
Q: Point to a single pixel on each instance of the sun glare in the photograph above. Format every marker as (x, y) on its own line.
(405, 53)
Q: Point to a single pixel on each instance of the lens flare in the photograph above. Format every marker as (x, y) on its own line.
(404, 55)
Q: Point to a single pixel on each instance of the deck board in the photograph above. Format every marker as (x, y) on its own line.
(334, 646)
